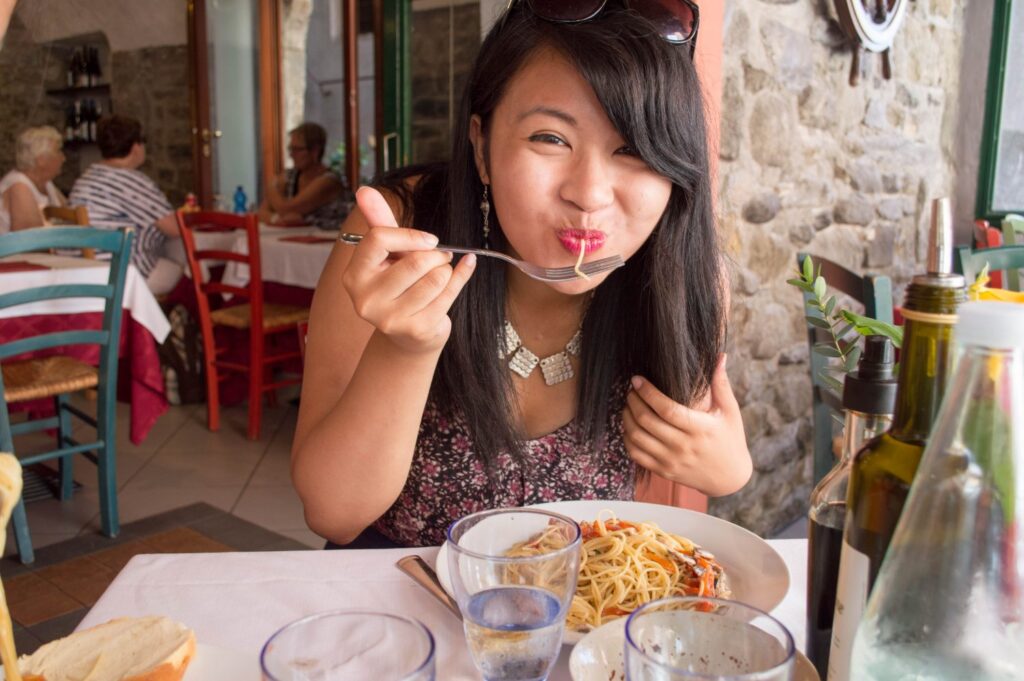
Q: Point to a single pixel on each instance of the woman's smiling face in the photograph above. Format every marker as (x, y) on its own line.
(561, 177)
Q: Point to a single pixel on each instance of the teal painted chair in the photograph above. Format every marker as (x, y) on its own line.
(872, 291)
(56, 376)
(970, 261)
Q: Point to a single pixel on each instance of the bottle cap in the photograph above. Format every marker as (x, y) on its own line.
(990, 324)
(871, 389)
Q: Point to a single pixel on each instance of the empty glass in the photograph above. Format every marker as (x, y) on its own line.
(697, 638)
(346, 645)
(514, 606)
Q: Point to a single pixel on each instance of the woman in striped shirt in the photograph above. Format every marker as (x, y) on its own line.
(117, 195)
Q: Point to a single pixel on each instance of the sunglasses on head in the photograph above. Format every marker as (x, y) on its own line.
(676, 20)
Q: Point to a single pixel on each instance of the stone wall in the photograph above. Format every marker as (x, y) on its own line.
(24, 68)
(444, 44)
(809, 163)
(151, 84)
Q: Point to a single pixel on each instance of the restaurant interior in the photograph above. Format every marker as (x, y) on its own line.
(844, 135)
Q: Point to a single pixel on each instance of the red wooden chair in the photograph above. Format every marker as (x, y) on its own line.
(247, 311)
(987, 236)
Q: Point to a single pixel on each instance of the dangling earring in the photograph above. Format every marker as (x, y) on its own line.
(485, 209)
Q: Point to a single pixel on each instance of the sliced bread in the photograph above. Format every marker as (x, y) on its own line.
(125, 649)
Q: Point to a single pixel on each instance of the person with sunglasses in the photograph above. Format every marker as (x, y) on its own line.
(435, 388)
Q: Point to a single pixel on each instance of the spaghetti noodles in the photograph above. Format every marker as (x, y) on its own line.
(626, 564)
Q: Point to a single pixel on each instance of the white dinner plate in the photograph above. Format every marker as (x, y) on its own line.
(599, 656)
(211, 663)
(757, 574)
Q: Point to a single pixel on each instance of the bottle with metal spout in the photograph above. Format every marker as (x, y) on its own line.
(884, 468)
(869, 394)
(949, 601)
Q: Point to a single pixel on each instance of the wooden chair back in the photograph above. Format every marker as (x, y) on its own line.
(970, 261)
(70, 215)
(874, 292)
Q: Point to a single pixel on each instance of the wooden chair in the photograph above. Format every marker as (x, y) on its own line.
(969, 262)
(259, 319)
(874, 292)
(70, 215)
(1013, 229)
(56, 376)
(987, 236)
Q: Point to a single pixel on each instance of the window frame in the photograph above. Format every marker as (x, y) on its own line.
(994, 97)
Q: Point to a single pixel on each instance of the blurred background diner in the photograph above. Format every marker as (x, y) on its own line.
(28, 189)
(823, 144)
(308, 193)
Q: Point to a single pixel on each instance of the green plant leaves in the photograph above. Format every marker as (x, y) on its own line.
(866, 326)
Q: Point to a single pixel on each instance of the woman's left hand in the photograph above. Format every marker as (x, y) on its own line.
(703, 447)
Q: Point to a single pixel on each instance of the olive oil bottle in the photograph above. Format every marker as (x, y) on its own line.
(884, 468)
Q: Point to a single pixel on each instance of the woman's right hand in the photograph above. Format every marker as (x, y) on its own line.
(399, 283)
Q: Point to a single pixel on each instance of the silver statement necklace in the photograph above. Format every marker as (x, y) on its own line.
(556, 368)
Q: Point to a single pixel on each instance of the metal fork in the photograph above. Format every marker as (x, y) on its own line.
(550, 274)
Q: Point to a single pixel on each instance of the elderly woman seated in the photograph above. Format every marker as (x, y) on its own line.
(309, 193)
(118, 194)
(27, 190)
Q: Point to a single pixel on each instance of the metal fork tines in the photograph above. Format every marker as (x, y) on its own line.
(550, 274)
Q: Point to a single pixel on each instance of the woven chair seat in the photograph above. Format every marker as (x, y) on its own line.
(240, 316)
(32, 379)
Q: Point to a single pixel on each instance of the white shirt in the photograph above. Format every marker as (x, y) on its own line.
(52, 197)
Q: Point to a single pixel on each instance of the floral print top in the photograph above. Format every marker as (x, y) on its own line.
(448, 480)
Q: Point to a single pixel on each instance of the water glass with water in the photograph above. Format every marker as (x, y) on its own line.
(347, 644)
(514, 606)
(696, 639)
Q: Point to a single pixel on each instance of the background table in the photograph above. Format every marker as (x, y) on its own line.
(143, 328)
(237, 600)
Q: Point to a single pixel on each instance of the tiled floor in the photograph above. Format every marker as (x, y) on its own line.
(181, 463)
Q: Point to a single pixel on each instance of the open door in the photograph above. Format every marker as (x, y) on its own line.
(234, 95)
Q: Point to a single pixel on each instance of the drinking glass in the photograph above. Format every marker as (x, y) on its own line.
(696, 638)
(514, 606)
(348, 644)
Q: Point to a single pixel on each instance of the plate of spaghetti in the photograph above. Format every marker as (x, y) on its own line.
(634, 553)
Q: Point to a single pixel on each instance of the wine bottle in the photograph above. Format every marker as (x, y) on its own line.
(884, 468)
(868, 398)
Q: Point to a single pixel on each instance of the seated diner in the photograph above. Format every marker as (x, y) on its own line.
(308, 193)
(118, 194)
(28, 189)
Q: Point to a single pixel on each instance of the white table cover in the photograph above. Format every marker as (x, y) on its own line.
(284, 262)
(237, 600)
(138, 299)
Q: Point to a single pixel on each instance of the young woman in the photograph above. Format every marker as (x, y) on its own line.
(418, 406)
(308, 193)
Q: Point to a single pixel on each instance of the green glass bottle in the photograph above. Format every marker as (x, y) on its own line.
(884, 468)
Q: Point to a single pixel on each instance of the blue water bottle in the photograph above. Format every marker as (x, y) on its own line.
(241, 201)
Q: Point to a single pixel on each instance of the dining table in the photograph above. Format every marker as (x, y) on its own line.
(234, 602)
(144, 325)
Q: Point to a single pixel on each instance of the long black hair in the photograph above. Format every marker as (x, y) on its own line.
(662, 314)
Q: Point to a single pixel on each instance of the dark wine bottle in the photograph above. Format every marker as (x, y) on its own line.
(868, 398)
(884, 468)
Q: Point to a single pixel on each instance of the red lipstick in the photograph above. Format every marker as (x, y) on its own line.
(575, 239)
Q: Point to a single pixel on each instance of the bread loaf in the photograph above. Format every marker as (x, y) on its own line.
(125, 649)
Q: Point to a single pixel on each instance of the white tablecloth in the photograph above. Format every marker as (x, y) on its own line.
(237, 600)
(138, 299)
(283, 262)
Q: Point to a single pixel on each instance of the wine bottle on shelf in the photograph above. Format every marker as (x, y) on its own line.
(869, 395)
(69, 123)
(77, 118)
(93, 117)
(884, 468)
(91, 63)
(82, 74)
(73, 69)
